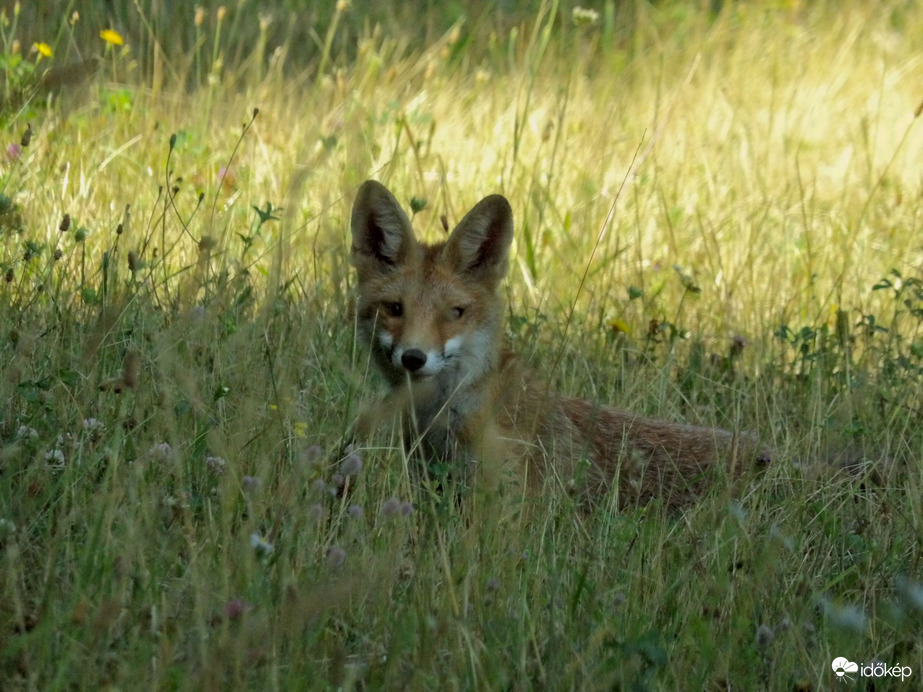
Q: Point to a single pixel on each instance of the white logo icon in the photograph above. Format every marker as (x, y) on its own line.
(841, 666)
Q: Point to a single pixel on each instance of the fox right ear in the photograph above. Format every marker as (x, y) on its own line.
(382, 234)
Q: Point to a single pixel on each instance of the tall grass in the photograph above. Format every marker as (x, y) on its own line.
(718, 217)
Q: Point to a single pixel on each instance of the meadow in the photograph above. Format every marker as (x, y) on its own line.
(718, 214)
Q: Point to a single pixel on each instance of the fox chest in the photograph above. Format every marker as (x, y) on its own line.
(442, 418)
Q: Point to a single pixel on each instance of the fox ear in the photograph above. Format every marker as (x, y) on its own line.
(382, 234)
(480, 244)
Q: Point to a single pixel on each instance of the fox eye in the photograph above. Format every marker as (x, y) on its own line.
(457, 312)
(395, 309)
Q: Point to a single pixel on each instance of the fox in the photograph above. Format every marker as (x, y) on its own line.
(433, 317)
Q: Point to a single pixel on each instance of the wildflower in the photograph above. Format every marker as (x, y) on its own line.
(336, 556)
(910, 593)
(25, 432)
(65, 223)
(235, 608)
(584, 17)
(312, 455)
(260, 545)
(617, 325)
(180, 501)
(26, 136)
(55, 458)
(764, 636)
(13, 151)
(160, 451)
(226, 179)
(316, 511)
(215, 464)
(43, 49)
(113, 38)
(355, 511)
(351, 465)
(847, 617)
(391, 507)
(199, 16)
(92, 424)
(251, 484)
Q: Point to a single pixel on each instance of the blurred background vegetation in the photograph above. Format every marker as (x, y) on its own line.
(162, 32)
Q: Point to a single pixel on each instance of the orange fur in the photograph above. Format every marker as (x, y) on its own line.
(433, 318)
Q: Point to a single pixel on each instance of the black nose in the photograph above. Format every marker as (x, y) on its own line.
(413, 359)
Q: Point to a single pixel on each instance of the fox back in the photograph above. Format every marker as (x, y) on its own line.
(432, 316)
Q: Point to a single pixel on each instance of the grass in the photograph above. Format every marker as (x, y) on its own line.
(718, 221)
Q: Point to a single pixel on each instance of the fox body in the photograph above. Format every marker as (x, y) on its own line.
(433, 317)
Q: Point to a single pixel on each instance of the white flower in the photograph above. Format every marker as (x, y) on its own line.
(260, 545)
(215, 464)
(55, 458)
(25, 432)
(583, 16)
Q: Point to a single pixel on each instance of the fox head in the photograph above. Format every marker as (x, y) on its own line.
(430, 311)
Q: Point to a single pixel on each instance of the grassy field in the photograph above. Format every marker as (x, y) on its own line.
(718, 219)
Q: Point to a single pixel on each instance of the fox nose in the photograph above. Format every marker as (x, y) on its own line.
(413, 359)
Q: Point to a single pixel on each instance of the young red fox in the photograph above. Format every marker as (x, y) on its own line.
(433, 317)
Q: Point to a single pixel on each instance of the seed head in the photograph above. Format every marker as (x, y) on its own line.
(251, 484)
(391, 507)
(764, 636)
(336, 556)
(235, 608)
(26, 136)
(65, 223)
(215, 465)
(351, 465)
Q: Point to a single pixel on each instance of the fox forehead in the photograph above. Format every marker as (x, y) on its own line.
(426, 282)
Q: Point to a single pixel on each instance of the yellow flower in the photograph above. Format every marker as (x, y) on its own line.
(43, 49)
(618, 325)
(113, 38)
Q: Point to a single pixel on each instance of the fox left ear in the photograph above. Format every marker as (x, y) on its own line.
(382, 235)
(480, 243)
